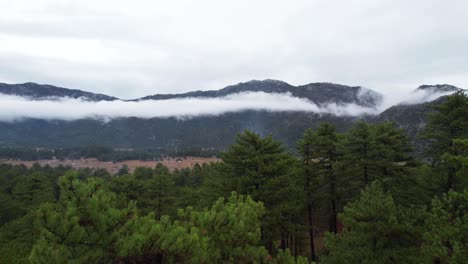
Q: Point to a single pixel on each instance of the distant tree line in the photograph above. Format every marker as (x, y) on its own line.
(373, 200)
(101, 153)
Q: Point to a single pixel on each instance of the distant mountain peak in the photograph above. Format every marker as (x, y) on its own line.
(438, 88)
(321, 94)
(36, 91)
(268, 81)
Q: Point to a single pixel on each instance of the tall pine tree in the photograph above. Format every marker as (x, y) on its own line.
(447, 123)
(256, 166)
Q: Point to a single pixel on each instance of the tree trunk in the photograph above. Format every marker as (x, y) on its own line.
(283, 244)
(366, 176)
(311, 233)
(450, 177)
(333, 217)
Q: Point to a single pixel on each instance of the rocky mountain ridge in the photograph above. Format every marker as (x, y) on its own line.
(206, 131)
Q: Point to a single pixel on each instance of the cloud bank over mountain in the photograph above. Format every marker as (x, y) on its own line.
(13, 108)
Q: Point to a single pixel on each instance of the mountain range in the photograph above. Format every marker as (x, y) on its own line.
(213, 131)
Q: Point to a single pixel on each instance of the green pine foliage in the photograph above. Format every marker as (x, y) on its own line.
(260, 167)
(446, 239)
(83, 226)
(365, 190)
(324, 157)
(33, 190)
(232, 227)
(359, 153)
(447, 124)
(285, 257)
(377, 230)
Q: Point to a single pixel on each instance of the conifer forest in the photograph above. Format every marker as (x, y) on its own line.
(362, 196)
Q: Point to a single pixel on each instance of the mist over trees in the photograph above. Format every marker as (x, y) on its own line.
(356, 197)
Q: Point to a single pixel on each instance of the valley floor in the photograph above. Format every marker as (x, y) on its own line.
(113, 167)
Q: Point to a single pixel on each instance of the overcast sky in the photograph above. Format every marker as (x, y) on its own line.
(134, 48)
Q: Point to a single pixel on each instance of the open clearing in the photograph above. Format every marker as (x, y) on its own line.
(171, 163)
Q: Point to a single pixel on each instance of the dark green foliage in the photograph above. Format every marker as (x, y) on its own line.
(324, 156)
(232, 227)
(457, 160)
(33, 190)
(152, 189)
(123, 170)
(147, 240)
(260, 167)
(446, 239)
(87, 226)
(392, 150)
(216, 183)
(280, 208)
(376, 231)
(17, 238)
(285, 257)
(143, 173)
(158, 193)
(379, 152)
(127, 186)
(83, 226)
(448, 123)
(254, 161)
(359, 153)
(318, 150)
(10, 209)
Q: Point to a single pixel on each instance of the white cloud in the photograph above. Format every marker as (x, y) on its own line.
(16, 108)
(13, 108)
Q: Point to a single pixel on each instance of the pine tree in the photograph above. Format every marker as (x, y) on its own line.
(83, 227)
(227, 232)
(17, 238)
(143, 173)
(233, 228)
(458, 160)
(123, 170)
(394, 163)
(376, 230)
(324, 156)
(147, 240)
(448, 122)
(127, 186)
(255, 165)
(306, 149)
(217, 182)
(446, 239)
(33, 190)
(393, 150)
(285, 257)
(379, 152)
(359, 153)
(254, 161)
(159, 193)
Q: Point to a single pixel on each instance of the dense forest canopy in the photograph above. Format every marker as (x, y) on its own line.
(357, 197)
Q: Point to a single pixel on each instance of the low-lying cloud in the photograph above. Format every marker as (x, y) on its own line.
(421, 96)
(415, 97)
(16, 108)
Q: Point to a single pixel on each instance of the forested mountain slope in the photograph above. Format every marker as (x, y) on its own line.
(216, 131)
